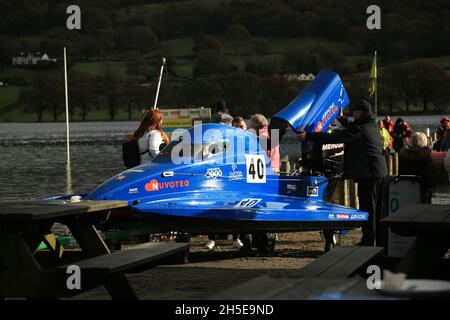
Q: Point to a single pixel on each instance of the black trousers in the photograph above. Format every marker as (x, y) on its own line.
(368, 190)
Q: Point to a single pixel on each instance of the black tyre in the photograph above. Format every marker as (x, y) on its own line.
(332, 239)
(183, 237)
(265, 243)
(247, 244)
(183, 257)
(143, 238)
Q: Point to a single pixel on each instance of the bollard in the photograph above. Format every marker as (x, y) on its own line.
(395, 164)
(353, 194)
(285, 167)
(340, 192)
(343, 193)
(389, 165)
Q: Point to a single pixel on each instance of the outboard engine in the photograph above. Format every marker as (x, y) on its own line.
(324, 160)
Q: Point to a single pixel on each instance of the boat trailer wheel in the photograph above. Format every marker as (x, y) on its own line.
(183, 257)
(183, 237)
(247, 244)
(332, 239)
(264, 242)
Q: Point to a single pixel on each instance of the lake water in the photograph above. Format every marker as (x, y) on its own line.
(33, 155)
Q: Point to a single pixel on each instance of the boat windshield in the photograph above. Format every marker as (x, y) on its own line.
(196, 152)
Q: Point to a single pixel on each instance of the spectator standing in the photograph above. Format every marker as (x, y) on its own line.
(401, 134)
(363, 159)
(445, 145)
(221, 115)
(261, 126)
(388, 124)
(239, 122)
(415, 159)
(386, 139)
(441, 133)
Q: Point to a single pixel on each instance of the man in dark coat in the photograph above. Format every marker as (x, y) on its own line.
(363, 158)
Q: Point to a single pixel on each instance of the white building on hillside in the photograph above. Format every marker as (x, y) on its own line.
(299, 77)
(32, 59)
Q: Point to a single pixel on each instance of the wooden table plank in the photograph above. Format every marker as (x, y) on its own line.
(100, 205)
(32, 210)
(260, 288)
(324, 263)
(433, 214)
(309, 288)
(409, 212)
(418, 212)
(354, 261)
(420, 219)
(294, 288)
(340, 262)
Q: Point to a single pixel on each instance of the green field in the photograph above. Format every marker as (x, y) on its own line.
(8, 95)
(97, 68)
(17, 114)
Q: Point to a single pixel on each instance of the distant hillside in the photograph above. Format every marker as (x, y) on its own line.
(214, 45)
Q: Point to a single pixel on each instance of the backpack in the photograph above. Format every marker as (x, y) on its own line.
(130, 154)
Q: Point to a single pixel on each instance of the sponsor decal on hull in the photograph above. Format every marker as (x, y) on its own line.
(357, 216)
(155, 185)
(133, 190)
(248, 202)
(213, 173)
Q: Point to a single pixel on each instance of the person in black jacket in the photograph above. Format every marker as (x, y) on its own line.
(363, 158)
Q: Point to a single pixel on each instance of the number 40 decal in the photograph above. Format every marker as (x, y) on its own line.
(256, 168)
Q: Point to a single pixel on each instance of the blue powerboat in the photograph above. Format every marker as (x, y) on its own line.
(214, 178)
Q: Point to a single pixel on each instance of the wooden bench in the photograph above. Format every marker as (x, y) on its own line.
(109, 269)
(129, 261)
(339, 263)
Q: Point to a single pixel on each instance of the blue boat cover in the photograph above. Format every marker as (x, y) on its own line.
(318, 105)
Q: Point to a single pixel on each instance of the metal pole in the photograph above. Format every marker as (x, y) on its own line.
(67, 105)
(159, 82)
(376, 85)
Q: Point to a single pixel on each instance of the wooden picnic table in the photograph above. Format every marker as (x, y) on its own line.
(430, 223)
(24, 272)
(301, 288)
(337, 271)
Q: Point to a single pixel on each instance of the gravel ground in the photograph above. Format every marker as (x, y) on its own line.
(211, 272)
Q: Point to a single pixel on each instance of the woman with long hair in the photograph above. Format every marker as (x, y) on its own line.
(149, 135)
